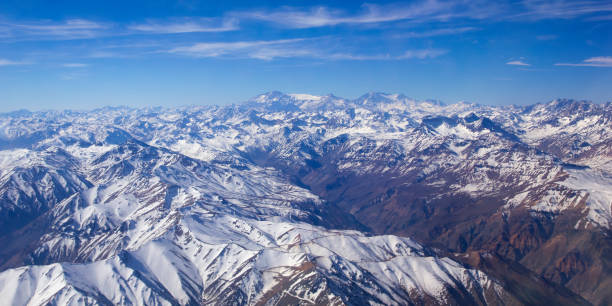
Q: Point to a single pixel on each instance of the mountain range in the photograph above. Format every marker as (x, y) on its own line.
(303, 199)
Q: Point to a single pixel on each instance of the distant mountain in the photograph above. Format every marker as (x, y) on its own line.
(302, 199)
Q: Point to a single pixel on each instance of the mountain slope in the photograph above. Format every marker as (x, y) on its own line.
(253, 203)
(225, 260)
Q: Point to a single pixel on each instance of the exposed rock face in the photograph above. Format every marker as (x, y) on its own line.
(266, 202)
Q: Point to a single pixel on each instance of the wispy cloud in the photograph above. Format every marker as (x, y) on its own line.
(5, 62)
(417, 19)
(408, 54)
(546, 37)
(87, 29)
(428, 11)
(438, 32)
(51, 30)
(73, 75)
(562, 9)
(420, 11)
(187, 25)
(517, 63)
(320, 16)
(598, 61)
(75, 65)
(256, 49)
(289, 48)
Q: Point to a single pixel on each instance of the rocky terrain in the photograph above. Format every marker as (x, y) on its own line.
(301, 199)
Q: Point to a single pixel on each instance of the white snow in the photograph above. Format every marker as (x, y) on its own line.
(598, 184)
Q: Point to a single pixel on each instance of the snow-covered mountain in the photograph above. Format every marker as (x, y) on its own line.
(221, 259)
(302, 199)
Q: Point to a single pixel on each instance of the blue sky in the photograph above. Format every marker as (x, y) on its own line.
(86, 54)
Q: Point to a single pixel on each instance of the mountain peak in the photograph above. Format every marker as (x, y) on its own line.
(271, 96)
(379, 97)
(306, 97)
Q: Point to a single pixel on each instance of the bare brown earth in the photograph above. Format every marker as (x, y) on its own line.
(538, 256)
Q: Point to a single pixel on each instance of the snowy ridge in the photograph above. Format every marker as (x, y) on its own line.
(220, 205)
(224, 259)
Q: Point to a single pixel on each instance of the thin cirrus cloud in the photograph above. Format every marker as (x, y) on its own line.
(598, 61)
(288, 48)
(517, 63)
(428, 11)
(543, 9)
(73, 75)
(5, 62)
(439, 17)
(187, 25)
(72, 29)
(75, 65)
(318, 16)
(251, 49)
(547, 37)
(438, 32)
(50, 30)
(408, 54)
(321, 16)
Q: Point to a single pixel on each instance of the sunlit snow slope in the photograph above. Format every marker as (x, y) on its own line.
(302, 199)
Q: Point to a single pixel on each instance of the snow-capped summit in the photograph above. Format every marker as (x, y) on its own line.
(272, 96)
(303, 199)
(379, 97)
